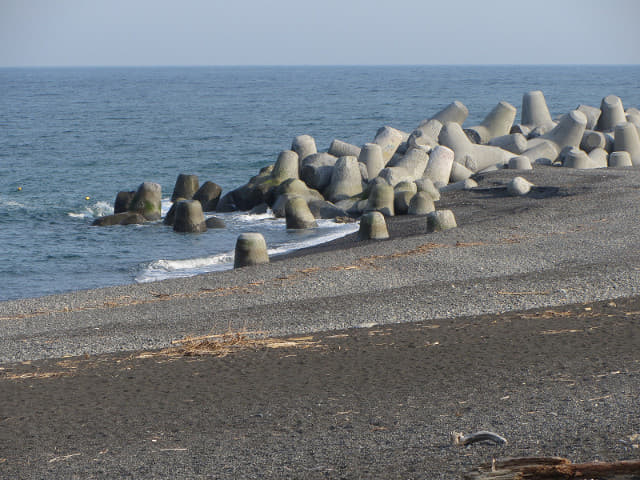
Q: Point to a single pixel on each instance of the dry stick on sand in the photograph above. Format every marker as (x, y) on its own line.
(554, 468)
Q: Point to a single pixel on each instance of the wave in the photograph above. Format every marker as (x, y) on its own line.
(98, 209)
(164, 269)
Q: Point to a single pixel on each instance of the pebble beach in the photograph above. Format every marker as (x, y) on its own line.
(523, 320)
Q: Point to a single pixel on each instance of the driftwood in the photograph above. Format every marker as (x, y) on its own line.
(554, 468)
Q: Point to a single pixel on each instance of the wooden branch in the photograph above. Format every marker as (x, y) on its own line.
(554, 468)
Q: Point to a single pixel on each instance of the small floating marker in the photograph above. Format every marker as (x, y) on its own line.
(87, 198)
(19, 189)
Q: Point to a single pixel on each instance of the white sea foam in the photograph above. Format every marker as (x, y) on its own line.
(98, 209)
(164, 269)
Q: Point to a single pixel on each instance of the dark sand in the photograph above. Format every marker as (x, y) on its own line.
(378, 402)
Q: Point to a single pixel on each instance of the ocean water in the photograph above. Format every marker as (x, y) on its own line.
(71, 133)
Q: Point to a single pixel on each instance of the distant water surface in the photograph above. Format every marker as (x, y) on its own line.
(71, 133)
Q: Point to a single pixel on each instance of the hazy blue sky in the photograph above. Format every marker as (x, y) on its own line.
(293, 32)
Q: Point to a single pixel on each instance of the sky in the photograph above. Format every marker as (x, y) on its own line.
(320, 32)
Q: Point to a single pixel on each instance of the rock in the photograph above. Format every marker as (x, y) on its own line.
(298, 215)
(186, 186)
(122, 218)
(497, 123)
(627, 140)
(440, 220)
(421, 204)
(304, 145)
(189, 217)
(338, 149)
(208, 195)
(317, 169)
(620, 159)
(147, 201)
(123, 202)
(215, 222)
(287, 166)
(346, 180)
(521, 162)
(612, 113)
(381, 199)
(389, 140)
(373, 227)
(371, 157)
(518, 187)
(251, 249)
(439, 165)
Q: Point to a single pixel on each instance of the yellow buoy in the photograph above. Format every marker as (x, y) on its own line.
(19, 188)
(87, 198)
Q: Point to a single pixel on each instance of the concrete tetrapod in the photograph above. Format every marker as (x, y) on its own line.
(389, 140)
(371, 157)
(421, 204)
(521, 162)
(147, 201)
(409, 168)
(189, 217)
(287, 166)
(426, 185)
(620, 159)
(472, 156)
(567, 133)
(304, 145)
(455, 112)
(186, 186)
(535, 112)
(439, 165)
(346, 180)
(513, 142)
(612, 113)
(381, 199)
(627, 140)
(592, 114)
(251, 249)
(426, 135)
(402, 195)
(440, 220)
(208, 195)
(338, 148)
(373, 227)
(298, 215)
(317, 169)
(497, 123)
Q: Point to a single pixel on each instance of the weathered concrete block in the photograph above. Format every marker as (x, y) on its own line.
(455, 112)
(186, 186)
(189, 217)
(474, 157)
(459, 172)
(324, 209)
(402, 196)
(497, 123)
(627, 140)
(466, 184)
(317, 169)
(600, 157)
(534, 109)
(440, 220)
(592, 114)
(421, 204)
(123, 201)
(439, 165)
(612, 113)
(578, 159)
(373, 227)
(304, 145)
(371, 157)
(298, 215)
(389, 140)
(426, 135)
(521, 162)
(591, 140)
(346, 180)
(620, 159)
(287, 166)
(544, 151)
(513, 142)
(215, 222)
(426, 185)
(148, 201)
(208, 195)
(338, 148)
(519, 186)
(381, 199)
(122, 218)
(251, 249)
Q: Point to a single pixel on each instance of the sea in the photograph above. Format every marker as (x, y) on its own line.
(71, 138)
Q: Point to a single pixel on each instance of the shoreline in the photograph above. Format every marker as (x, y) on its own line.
(523, 320)
(569, 241)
